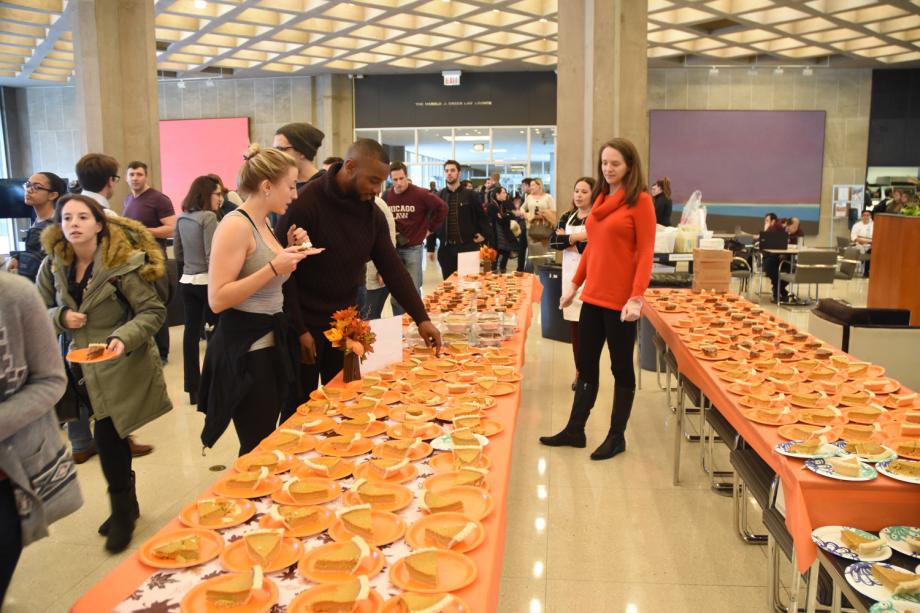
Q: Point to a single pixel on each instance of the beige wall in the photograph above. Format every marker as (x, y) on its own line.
(843, 94)
(55, 138)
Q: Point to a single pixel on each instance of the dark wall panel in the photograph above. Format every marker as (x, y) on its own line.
(894, 118)
(481, 99)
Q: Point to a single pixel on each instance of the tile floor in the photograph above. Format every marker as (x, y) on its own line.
(605, 537)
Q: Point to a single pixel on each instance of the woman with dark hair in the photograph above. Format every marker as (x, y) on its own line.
(230, 200)
(500, 213)
(192, 244)
(571, 238)
(42, 191)
(97, 283)
(661, 192)
(615, 269)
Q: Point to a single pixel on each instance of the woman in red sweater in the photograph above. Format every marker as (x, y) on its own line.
(615, 270)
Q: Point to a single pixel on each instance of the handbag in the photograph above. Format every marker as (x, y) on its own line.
(539, 230)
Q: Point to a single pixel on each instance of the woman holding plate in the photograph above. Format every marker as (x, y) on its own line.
(615, 269)
(97, 283)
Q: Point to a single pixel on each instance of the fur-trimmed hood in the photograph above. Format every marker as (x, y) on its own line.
(125, 238)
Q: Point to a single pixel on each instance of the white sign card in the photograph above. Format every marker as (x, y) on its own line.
(467, 263)
(388, 346)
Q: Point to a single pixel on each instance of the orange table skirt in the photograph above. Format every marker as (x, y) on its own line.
(482, 595)
(811, 500)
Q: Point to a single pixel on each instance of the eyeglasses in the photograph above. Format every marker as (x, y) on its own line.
(35, 187)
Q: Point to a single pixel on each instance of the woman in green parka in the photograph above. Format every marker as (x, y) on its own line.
(97, 282)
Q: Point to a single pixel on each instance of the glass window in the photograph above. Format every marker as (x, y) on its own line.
(472, 145)
(543, 156)
(434, 145)
(371, 134)
(400, 144)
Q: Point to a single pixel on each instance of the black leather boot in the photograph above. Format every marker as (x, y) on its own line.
(615, 443)
(121, 522)
(135, 511)
(573, 435)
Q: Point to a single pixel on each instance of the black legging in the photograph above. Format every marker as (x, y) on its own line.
(197, 313)
(574, 335)
(522, 245)
(114, 455)
(329, 362)
(10, 536)
(595, 326)
(257, 413)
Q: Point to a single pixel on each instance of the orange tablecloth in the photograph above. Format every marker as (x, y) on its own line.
(811, 500)
(481, 596)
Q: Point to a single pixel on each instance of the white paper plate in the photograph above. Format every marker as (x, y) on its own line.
(883, 468)
(894, 606)
(890, 456)
(444, 443)
(897, 538)
(829, 539)
(859, 576)
(866, 473)
(825, 451)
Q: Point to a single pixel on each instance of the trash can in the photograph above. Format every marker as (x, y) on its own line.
(554, 326)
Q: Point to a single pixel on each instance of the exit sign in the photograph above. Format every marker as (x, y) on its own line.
(451, 77)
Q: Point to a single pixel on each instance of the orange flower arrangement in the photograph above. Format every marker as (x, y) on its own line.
(350, 333)
(487, 254)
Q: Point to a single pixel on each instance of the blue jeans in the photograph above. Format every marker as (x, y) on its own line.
(412, 259)
(81, 437)
(376, 298)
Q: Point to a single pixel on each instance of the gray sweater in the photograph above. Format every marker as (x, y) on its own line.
(192, 241)
(32, 380)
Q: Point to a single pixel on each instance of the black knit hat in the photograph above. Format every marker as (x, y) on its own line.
(303, 137)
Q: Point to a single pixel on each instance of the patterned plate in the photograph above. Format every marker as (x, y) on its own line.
(866, 472)
(829, 539)
(897, 537)
(859, 575)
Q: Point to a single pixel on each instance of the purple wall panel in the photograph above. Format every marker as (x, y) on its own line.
(769, 157)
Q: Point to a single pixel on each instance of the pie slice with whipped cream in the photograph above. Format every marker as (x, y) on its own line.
(448, 534)
(410, 602)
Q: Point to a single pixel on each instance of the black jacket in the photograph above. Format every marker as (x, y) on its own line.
(225, 379)
(663, 208)
(560, 242)
(471, 216)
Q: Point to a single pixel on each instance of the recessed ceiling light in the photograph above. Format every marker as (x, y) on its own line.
(542, 19)
(200, 4)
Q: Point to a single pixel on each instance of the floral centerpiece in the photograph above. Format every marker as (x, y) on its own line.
(354, 336)
(487, 255)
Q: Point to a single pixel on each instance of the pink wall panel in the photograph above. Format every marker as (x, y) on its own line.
(193, 147)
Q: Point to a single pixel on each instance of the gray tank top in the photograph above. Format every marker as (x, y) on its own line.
(268, 299)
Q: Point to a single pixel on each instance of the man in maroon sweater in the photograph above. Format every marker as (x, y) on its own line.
(338, 212)
(418, 213)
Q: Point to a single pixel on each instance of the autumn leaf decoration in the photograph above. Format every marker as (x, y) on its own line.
(350, 333)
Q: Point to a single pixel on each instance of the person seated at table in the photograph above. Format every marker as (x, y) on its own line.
(771, 261)
(794, 230)
(861, 236)
(615, 269)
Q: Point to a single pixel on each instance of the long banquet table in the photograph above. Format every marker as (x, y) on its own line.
(134, 586)
(811, 500)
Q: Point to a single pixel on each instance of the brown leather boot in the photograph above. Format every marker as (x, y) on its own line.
(82, 456)
(138, 449)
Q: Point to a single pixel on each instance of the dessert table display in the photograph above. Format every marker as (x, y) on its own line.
(385, 494)
(843, 438)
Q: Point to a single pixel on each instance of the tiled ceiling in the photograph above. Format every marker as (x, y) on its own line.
(276, 37)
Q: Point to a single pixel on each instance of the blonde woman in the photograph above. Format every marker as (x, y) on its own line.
(249, 365)
(540, 213)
